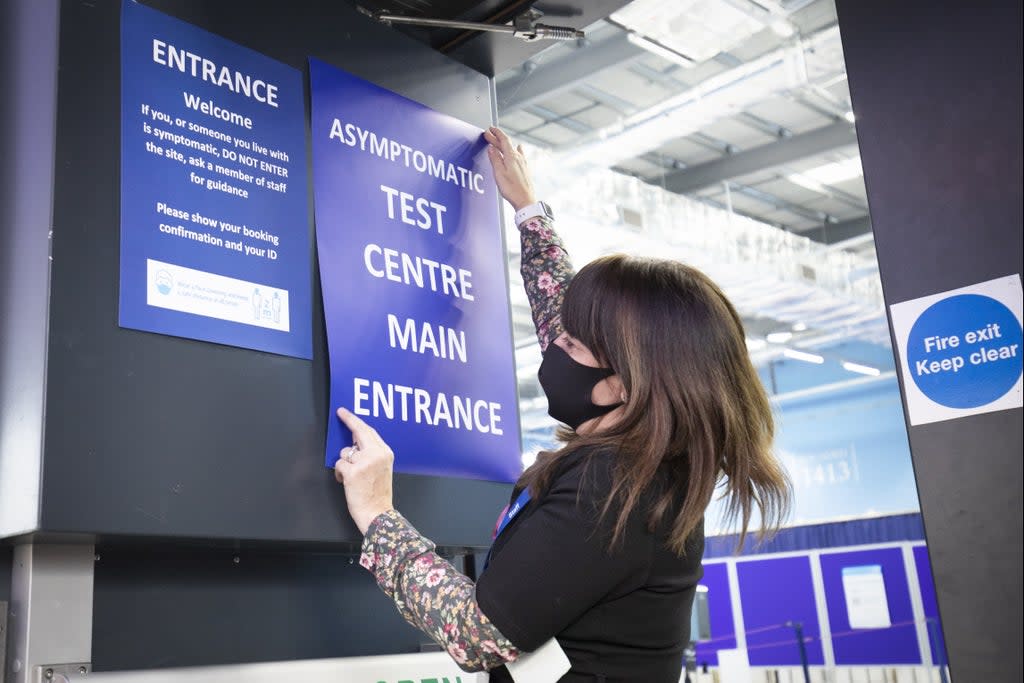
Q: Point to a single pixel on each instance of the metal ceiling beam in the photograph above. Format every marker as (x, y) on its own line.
(774, 154)
(839, 232)
(541, 82)
(780, 204)
(566, 120)
(621, 106)
(831, 231)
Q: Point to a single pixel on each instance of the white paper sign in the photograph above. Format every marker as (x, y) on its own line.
(734, 666)
(866, 602)
(960, 351)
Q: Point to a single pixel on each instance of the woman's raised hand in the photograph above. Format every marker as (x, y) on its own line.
(510, 171)
(365, 470)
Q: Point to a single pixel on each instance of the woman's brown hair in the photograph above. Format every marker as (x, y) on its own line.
(696, 408)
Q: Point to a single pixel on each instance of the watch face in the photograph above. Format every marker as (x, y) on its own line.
(547, 210)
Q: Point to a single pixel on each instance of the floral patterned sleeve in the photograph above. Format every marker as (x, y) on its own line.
(546, 270)
(431, 594)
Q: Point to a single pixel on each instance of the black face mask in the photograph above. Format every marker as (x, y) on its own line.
(568, 384)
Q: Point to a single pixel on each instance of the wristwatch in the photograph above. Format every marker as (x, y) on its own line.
(533, 210)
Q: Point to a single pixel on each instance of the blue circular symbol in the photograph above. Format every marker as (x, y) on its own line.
(965, 351)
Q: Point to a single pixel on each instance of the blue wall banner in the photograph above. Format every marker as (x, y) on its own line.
(869, 607)
(412, 267)
(960, 351)
(723, 628)
(773, 593)
(215, 241)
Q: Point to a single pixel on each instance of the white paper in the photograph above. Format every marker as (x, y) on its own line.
(734, 666)
(866, 603)
(546, 664)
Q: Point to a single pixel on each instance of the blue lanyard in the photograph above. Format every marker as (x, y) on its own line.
(513, 510)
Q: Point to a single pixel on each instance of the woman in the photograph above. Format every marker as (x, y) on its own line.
(645, 362)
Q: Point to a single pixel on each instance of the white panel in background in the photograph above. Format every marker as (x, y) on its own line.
(734, 666)
(866, 603)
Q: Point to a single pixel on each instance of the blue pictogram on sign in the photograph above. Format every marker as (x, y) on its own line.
(965, 351)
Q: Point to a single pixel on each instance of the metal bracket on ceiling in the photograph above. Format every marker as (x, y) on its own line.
(524, 26)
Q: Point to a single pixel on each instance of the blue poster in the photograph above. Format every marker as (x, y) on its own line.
(215, 240)
(412, 268)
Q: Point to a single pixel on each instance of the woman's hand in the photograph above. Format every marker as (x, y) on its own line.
(510, 172)
(365, 470)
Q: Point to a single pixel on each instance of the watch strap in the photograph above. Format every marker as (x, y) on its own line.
(532, 210)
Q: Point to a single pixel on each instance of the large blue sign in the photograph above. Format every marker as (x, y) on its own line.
(413, 275)
(215, 240)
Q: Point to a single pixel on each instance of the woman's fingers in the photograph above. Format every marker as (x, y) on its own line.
(503, 142)
(362, 433)
(364, 437)
(510, 169)
(365, 470)
(495, 156)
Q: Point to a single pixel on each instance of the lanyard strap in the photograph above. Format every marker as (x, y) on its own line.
(510, 512)
(513, 510)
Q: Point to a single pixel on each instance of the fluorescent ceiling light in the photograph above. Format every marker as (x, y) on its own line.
(849, 116)
(656, 48)
(803, 181)
(804, 356)
(699, 29)
(782, 28)
(862, 369)
(800, 327)
(756, 344)
(836, 172)
(779, 337)
(817, 178)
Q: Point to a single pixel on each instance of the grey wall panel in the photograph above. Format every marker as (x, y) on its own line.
(160, 436)
(28, 79)
(936, 91)
(167, 607)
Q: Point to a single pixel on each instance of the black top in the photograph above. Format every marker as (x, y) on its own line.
(621, 615)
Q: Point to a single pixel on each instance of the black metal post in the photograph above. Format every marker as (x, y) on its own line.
(799, 628)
